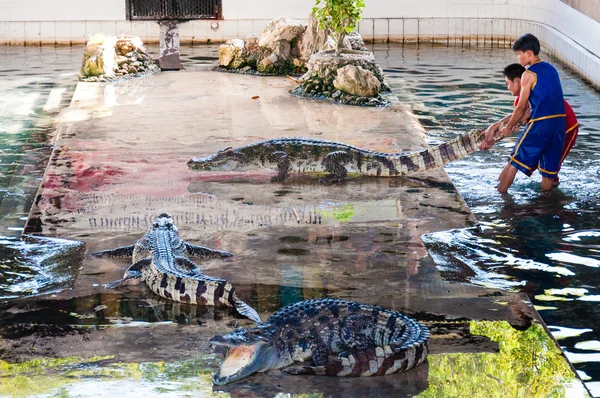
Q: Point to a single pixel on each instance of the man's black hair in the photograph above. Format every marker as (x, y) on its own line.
(513, 71)
(527, 42)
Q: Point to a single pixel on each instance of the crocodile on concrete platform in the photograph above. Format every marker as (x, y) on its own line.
(369, 341)
(160, 259)
(309, 155)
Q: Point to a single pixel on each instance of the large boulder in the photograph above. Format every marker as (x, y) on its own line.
(282, 29)
(231, 54)
(357, 81)
(322, 66)
(279, 43)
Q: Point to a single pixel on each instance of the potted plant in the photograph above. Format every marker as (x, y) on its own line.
(339, 16)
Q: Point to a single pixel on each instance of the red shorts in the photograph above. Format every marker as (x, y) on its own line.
(570, 138)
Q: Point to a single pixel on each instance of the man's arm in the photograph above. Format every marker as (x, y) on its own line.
(490, 132)
(522, 107)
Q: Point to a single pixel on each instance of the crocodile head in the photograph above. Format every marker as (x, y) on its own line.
(226, 159)
(164, 221)
(249, 351)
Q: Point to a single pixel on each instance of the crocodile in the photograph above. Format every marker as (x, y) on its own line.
(310, 155)
(369, 341)
(160, 259)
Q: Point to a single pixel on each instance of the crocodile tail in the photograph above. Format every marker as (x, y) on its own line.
(378, 361)
(440, 155)
(245, 310)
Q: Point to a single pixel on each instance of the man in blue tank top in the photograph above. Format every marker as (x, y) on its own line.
(541, 141)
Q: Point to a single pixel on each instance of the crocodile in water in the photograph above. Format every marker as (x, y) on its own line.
(368, 341)
(160, 259)
(309, 155)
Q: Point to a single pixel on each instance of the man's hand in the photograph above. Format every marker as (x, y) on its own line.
(505, 132)
(489, 137)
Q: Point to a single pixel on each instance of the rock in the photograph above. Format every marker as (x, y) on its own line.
(336, 94)
(252, 51)
(356, 42)
(230, 51)
(251, 45)
(357, 81)
(268, 64)
(313, 39)
(282, 29)
(119, 59)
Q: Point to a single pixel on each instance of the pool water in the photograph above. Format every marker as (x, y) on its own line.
(545, 244)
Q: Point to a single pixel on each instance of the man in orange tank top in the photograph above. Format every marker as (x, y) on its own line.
(512, 74)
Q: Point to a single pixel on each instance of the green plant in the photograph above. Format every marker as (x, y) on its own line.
(339, 16)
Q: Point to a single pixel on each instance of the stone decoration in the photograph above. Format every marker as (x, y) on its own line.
(357, 81)
(115, 58)
(323, 67)
(284, 47)
(274, 52)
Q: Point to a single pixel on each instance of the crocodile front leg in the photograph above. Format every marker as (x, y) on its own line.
(132, 274)
(283, 162)
(320, 357)
(119, 252)
(202, 251)
(335, 163)
(189, 267)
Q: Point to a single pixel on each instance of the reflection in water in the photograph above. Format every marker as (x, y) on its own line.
(27, 102)
(79, 376)
(513, 372)
(106, 310)
(510, 373)
(35, 265)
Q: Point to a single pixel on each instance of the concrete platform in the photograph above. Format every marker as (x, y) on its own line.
(119, 160)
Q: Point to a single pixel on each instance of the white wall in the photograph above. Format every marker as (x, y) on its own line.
(565, 31)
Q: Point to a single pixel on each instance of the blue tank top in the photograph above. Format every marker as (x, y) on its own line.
(546, 98)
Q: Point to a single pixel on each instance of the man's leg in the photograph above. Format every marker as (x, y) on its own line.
(570, 138)
(506, 178)
(547, 183)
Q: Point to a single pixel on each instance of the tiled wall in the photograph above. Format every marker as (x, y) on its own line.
(591, 8)
(570, 34)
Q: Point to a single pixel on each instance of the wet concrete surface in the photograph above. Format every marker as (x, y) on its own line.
(119, 160)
